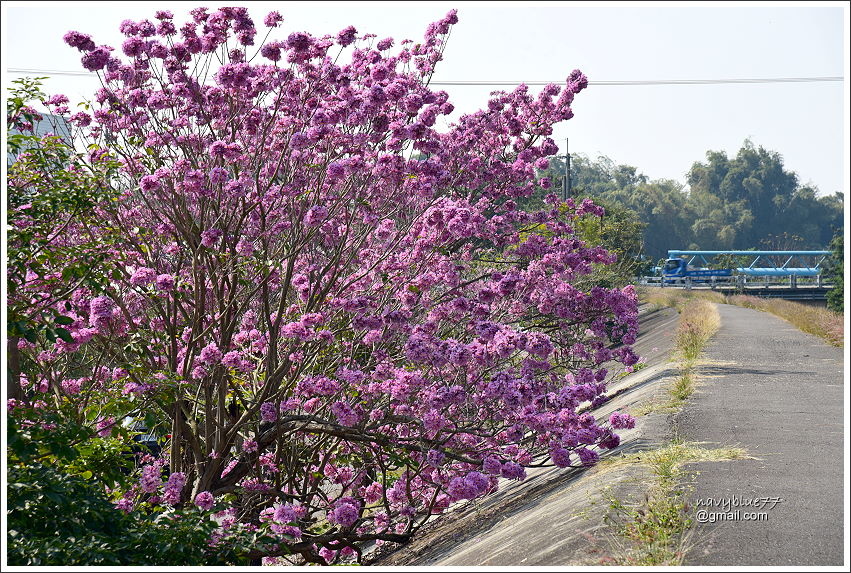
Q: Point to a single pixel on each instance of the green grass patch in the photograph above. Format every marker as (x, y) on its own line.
(656, 531)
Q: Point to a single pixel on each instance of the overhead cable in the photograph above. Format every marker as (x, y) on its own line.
(541, 82)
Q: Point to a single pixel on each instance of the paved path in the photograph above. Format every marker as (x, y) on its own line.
(767, 387)
(778, 393)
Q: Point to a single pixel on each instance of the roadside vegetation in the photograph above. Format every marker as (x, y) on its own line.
(655, 532)
(822, 322)
(699, 320)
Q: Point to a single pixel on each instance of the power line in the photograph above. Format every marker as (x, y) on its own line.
(650, 82)
(714, 81)
(47, 72)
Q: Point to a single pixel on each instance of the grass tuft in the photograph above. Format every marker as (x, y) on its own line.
(656, 531)
(699, 321)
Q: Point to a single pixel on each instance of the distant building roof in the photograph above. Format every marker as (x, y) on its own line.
(49, 123)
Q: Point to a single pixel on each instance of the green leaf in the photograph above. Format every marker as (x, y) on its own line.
(64, 320)
(65, 335)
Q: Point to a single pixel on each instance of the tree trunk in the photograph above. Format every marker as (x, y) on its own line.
(13, 368)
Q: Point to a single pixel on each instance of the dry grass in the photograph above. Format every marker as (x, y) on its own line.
(821, 322)
(699, 320)
(656, 532)
(675, 297)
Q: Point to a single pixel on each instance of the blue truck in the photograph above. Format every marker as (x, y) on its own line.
(677, 270)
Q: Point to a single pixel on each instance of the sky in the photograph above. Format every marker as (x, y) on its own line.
(659, 129)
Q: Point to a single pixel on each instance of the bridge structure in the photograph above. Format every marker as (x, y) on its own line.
(791, 275)
(763, 263)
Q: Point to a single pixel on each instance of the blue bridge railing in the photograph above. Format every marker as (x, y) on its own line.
(761, 263)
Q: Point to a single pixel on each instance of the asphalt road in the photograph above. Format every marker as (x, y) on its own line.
(765, 386)
(778, 393)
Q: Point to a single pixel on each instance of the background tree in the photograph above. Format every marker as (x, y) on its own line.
(659, 205)
(739, 202)
(620, 231)
(730, 204)
(835, 271)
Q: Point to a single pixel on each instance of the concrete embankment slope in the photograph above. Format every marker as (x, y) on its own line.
(556, 516)
(777, 392)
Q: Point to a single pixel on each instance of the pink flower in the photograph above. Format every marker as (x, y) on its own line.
(268, 412)
(273, 19)
(173, 488)
(165, 282)
(373, 493)
(105, 426)
(621, 421)
(96, 59)
(72, 386)
(82, 42)
(271, 51)
(511, 470)
(346, 415)
(244, 248)
(587, 457)
(100, 309)
(345, 514)
(143, 276)
(210, 354)
(204, 500)
(125, 505)
(315, 216)
(347, 36)
(210, 237)
(560, 457)
(327, 554)
(151, 479)
(149, 183)
(232, 359)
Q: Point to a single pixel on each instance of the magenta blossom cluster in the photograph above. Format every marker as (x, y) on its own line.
(342, 309)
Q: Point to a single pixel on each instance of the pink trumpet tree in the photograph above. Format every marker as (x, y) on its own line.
(337, 311)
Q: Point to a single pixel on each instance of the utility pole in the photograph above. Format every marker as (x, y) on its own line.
(565, 175)
(567, 153)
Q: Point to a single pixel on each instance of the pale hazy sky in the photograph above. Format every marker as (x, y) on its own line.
(660, 129)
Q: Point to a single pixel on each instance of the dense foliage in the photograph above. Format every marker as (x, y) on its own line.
(836, 274)
(750, 201)
(332, 319)
(58, 512)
